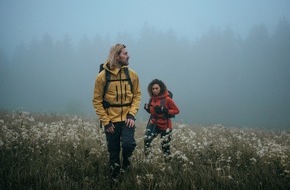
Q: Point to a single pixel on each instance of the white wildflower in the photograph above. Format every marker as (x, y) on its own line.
(229, 160)
(181, 126)
(138, 178)
(93, 151)
(149, 176)
(253, 160)
(1, 142)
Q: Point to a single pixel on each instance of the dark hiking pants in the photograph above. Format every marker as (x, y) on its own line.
(122, 137)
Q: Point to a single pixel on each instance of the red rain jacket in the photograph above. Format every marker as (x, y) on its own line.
(161, 120)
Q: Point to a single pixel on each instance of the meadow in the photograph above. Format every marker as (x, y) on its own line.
(54, 151)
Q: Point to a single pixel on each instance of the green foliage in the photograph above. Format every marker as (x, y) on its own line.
(69, 152)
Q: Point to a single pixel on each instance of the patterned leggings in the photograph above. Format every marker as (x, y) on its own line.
(152, 132)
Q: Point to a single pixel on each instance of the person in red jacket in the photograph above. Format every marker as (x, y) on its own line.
(161, 108)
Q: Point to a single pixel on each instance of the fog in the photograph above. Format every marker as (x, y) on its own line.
(225, 62)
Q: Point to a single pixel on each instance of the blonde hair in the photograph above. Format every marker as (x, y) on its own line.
(114, 53)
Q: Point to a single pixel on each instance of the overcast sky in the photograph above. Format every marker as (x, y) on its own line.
(225, 86)
(22, 21)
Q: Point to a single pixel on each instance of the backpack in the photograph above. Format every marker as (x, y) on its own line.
(108, 80)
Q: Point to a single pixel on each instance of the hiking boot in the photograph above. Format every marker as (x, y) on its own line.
(114, 182)
(126, 163)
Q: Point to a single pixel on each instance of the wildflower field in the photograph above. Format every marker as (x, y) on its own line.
(52, 151)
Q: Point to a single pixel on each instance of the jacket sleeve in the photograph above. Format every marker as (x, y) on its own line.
(172, 107)
(136, 93)
(98, 98)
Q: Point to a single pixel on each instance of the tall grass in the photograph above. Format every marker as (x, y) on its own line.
(50, 151)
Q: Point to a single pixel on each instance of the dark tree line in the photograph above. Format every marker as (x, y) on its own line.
(219, 77)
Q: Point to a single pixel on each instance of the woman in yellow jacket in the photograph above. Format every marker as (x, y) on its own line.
(116, 101)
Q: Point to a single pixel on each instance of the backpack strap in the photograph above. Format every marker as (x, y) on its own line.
(101, 67)
(108, 80)
(128, 78)
(162, 102)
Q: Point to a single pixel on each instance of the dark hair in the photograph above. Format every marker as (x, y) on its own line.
(160, 83)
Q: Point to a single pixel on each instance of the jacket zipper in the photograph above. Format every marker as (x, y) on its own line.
(125, 92)
(117, 95)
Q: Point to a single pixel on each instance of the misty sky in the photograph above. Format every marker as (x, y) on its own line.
(234, 54)
(22, 21)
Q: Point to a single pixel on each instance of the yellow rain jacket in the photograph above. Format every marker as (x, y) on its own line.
(119, 93)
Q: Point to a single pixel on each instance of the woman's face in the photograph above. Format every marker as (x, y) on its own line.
(155, 89)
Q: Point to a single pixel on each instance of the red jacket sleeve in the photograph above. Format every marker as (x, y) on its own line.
(172, 107)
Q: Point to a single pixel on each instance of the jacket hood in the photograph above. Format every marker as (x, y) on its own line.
(166, 93)
(114, 71)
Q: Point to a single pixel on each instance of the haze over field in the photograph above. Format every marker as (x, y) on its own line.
(225, 61)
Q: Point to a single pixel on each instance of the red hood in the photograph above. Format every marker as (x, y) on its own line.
(162, 96)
